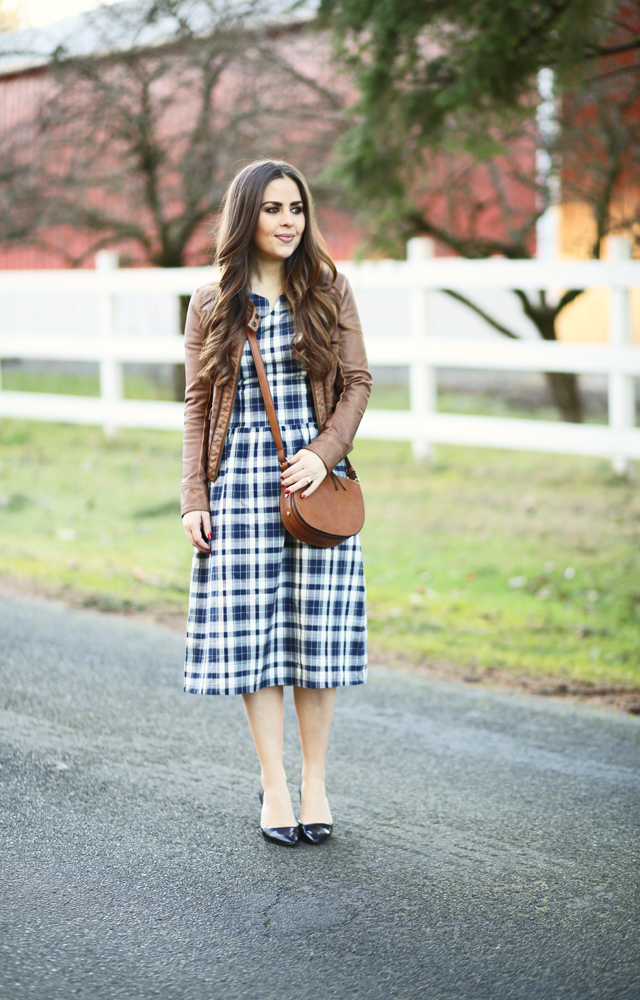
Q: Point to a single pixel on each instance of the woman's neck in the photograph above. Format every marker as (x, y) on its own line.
(267, 279)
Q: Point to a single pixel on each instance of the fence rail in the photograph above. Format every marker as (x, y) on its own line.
(619, 360)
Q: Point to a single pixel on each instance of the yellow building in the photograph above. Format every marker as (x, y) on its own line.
(587, 319)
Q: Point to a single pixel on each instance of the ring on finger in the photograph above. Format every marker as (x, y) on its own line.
(309, 480)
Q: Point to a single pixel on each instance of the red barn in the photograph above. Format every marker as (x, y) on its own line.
(276, 92)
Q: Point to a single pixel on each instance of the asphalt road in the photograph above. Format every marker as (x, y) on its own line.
(486, 845)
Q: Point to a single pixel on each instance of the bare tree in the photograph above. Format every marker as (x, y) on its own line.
(601, 157)
(482, 207)
(487, 201)
(448, 133)
(136, 139)
(144, 121)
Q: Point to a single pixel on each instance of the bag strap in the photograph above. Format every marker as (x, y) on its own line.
(253, 322)
(252, 325)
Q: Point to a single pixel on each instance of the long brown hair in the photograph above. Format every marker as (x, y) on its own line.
(309, 274)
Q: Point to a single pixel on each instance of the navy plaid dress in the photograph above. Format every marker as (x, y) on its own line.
(264, 608)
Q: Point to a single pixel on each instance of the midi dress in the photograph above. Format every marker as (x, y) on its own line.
(264, 608)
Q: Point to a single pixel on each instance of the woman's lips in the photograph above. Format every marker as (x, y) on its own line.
(285, 237)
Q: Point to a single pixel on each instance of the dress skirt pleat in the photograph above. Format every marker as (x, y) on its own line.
(264, 608)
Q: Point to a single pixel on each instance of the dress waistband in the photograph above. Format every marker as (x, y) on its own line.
(259, 422)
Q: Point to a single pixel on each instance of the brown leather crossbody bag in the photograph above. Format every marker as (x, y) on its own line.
(335, 510)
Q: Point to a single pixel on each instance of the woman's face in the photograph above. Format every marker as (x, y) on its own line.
(281, 221)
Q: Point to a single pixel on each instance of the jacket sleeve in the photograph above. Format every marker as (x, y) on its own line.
(336, 439)
(194, 494)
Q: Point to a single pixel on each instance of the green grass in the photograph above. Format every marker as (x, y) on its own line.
(396, 397)
(135, 386)
(81, 514)
(503, 561)
(525, 564)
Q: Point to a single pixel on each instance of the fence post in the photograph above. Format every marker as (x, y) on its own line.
(622, 404)
(423, 391)
(111, 382)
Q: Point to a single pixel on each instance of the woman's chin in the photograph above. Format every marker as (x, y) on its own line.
(284, 250)
(272, 254)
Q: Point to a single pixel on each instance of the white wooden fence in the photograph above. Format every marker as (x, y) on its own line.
(619, 359)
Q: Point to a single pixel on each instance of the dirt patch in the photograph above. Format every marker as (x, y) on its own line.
(166, 616)
(621, 698)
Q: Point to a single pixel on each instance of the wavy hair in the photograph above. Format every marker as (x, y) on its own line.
(309, 274)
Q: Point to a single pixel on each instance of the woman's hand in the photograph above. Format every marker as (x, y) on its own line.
(195, 523)
(304, 466)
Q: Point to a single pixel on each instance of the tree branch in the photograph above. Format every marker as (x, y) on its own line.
(614, 50)
(474, 248)
(480, 312)
(569, 296)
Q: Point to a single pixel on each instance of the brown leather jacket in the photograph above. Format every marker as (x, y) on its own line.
(340, 400)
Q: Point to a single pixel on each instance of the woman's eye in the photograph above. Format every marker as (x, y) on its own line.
(273, 209)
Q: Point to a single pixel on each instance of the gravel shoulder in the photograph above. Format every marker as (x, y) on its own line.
(485, 845)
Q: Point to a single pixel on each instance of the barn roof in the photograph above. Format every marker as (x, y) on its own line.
(132, 24)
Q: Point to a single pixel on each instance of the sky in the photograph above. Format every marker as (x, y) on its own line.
(47, 11)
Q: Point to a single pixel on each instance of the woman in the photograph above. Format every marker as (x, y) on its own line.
(267, 611)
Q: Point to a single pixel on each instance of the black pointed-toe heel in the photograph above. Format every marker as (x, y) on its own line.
(315, 833)
(284, 836)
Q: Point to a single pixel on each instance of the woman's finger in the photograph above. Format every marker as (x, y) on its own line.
(305, 466)
(289, 478)
(310, 488)
(310, 460)
(206, 523)
(299, 480)
(295, 471)
(299, 485)
(303, 484)
(194, 522)
(198, 542)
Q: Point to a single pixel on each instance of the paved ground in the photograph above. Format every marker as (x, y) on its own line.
(485, 847)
